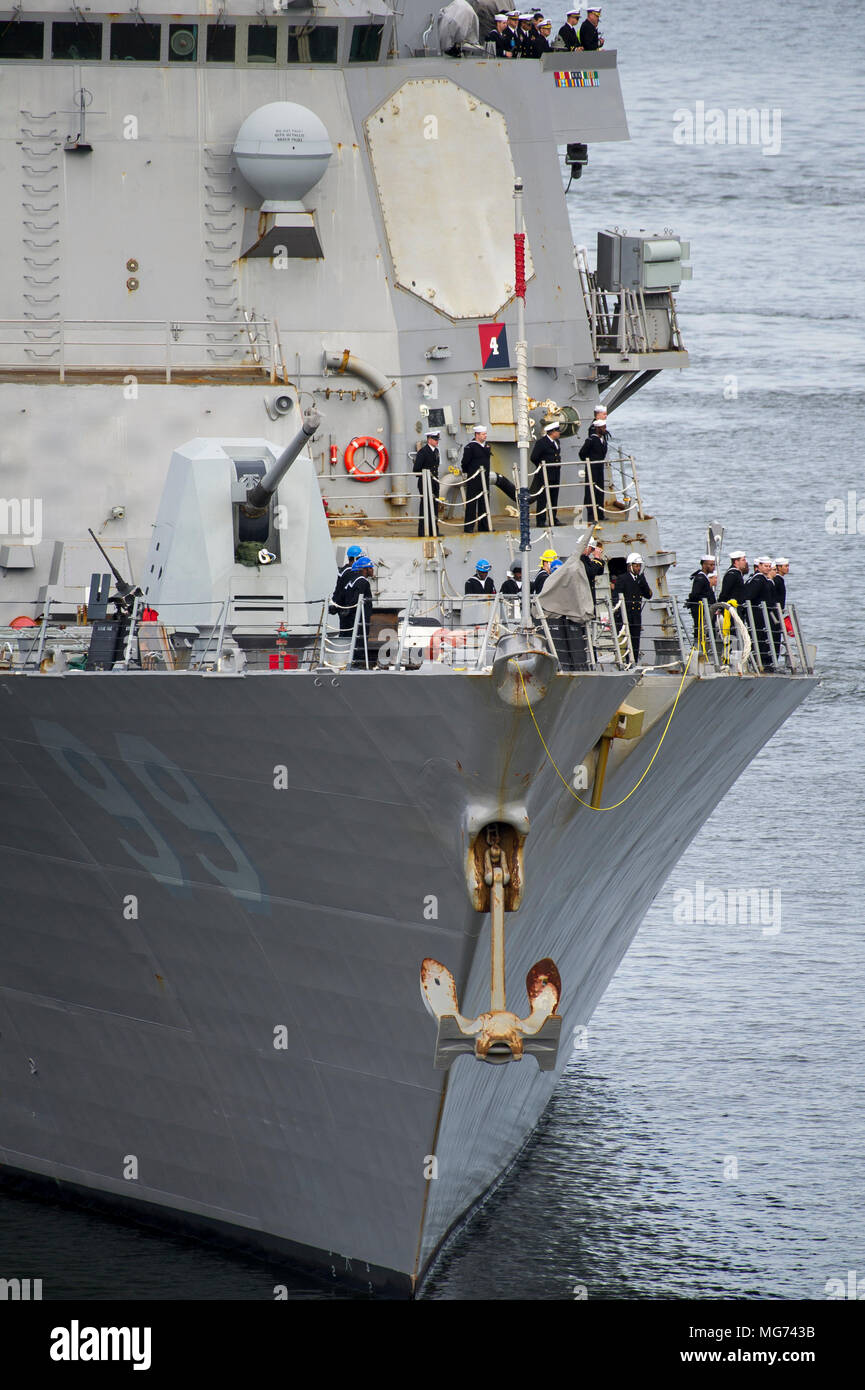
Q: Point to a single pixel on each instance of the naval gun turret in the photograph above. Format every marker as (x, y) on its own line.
(261, 494)
(241, 535)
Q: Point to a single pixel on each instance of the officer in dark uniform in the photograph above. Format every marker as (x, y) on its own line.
(632, 583)
(514, 31)
(590, 39)
(544, 43)
(733, 583)
(337, 604)
(593, 563)
(535, 43)
(481, 581)
(476, 466)
(427, 462)
(569, 32)
(703, 581)
(593, 453)
(546, 457)
(358, 590)
(759, 590)
(524, 33)
(514, 582)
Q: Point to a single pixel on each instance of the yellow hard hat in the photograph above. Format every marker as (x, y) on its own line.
(549, 555)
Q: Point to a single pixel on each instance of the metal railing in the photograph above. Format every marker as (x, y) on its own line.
(620, 320)
(731, 637)
(461, 632)
(621, 498)
(152, 345)
(446, 631)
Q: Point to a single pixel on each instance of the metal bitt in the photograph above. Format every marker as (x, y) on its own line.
(497, 1036)
(258, 497)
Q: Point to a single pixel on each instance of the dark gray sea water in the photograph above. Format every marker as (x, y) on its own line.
(709, 1142)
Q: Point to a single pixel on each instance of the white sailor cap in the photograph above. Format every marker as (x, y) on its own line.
(480, 429)
(570, 12)
(737, 554)
(528, 16)
(707, 559)
(782, 560)
(635, 558)
(500, 17)
(433, 434)
(763, 560)
(600, 410)
(553, 425)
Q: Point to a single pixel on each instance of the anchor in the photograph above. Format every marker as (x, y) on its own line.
(499, 1035)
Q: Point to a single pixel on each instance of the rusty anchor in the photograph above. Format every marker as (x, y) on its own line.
(499, 1035)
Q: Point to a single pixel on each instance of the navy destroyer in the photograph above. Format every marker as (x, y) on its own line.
(300, 910)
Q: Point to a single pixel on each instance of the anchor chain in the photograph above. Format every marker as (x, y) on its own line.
(496, 877)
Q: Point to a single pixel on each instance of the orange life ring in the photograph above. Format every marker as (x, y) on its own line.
(366, 441)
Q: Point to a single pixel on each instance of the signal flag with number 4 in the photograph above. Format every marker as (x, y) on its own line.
(494, 345)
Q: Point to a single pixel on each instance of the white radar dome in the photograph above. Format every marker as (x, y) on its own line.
(282, 150)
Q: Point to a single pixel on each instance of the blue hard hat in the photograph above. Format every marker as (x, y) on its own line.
(353, 552)
(556, 565)
(483, 565)
(363, 562)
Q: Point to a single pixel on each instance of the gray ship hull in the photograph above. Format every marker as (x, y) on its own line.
(218, 892)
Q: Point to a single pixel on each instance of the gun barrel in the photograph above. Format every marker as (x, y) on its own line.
(114, 570)
(259, 495)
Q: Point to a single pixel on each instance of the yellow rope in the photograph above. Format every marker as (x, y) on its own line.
(563, 780)
(701, 639)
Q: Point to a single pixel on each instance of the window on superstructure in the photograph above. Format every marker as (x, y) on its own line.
(138, 43)
(182, 43)
(221, 43)
(261, 44)
(76, 41)
(312, 45)
(26, 39)
(365, 43)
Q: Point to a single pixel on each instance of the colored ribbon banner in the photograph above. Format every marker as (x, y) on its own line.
(577, 79)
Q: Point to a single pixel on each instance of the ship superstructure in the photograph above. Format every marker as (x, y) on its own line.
(256, 256)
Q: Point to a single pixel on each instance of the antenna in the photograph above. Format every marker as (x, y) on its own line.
(77, 144)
